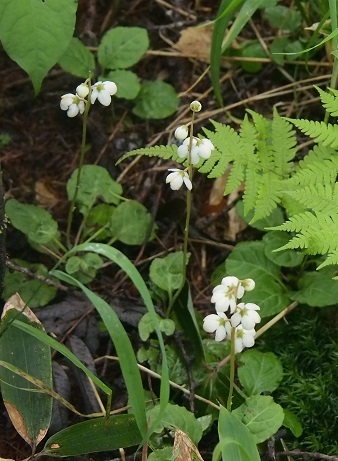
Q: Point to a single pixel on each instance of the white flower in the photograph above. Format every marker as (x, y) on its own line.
(82, 90)
(200, 148)
(72, 104)
(247, 315)
(248, 284)
(243, 338)
(226, 294)
(177, 178)
(195, 106)
(181, 132)
(205, 147)
(218, 324)
(103, 92)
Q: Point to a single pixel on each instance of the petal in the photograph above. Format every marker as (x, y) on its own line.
(238, 345)
(73, 110)
(195, 158)
(248, 340)
(182, 151)
(110, 87)
(220, 333)
(232, 304)
(252, 306)
(204, 151)
(176, 181)
(211, 323)
(240, 291)
(82, 90)
(248, 284)
(104, 97)
(181, 132)
(187, 182)
(94, 95)
(236, 319)
(230, 281)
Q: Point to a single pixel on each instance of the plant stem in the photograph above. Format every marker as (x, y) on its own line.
(79, 169)
(333, 17)
(232, 368)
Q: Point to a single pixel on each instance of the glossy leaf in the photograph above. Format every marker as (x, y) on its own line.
(128, 83)
(292, 422)
(29, 408)
(94, 435)
(36, 33)
(259, 372)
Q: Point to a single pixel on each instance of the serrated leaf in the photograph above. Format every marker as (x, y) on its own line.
(29, 408)
(131, 223)
(248, 260)
(259, 372)
(95, 435)
(95, 182)
(122, 47)
(156, 100)
(261, 415)
(77, 59)
(36, 33)
(177, 417)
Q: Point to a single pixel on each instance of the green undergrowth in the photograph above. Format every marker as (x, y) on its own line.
(308, 349)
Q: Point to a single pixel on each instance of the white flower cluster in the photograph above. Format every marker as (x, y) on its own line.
(199, 148)
(75, 103)
(231, 314)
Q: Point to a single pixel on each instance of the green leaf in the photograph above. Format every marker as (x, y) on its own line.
(261, 415)
(131, 223)
(292, 422)
(287, 258)
(317, 289)
(166, 272)
(253, 50)
(284, 18)
(146, 326)
(94, 435)
(156, 100)
(128, 83)
(122, 47)
(259, 372)
(163, 454)
(77, 59)
(34, 292)
(36, 33)
(84, 267)
(95, 182)
(99, 217)
(275, 218)
(248, 260)
(33, 221)
(236, 443)
(29, 408)
(177, 417)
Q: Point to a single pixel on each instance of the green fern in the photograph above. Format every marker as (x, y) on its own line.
(165, 152)
(329, 101)
(326, 134)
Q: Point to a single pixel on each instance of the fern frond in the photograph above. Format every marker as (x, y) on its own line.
(331, 259)
(318, 197)
(263, 142)
(317, 153)
(326, 134)
(283, 141)
(317, 172)
(268, 196)
(329, 101)
(165, 152)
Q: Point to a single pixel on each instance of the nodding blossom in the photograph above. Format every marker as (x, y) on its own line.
(177, 177)
(199, 148)
(75, 103)
(231, 315)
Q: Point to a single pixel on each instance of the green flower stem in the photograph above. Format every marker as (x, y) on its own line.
(333, 18)
(232, 368)
(78, 177)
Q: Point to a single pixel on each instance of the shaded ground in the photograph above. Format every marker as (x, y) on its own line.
(44, 148)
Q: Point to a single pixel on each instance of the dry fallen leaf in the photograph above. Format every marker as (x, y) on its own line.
(195, 42)
(44, 196)
(184, 448)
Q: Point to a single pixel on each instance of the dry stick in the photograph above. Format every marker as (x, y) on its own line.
(306, 454)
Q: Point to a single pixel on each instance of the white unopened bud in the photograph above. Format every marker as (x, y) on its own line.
(195, 106)
(181, 133)
(82, 90)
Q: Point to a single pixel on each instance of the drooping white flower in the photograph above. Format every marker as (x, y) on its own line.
(177, 177)
(181, 132)
(218, 324)
(82, 90)
(247, 315)
(243, 338)
(72, 103)
(226, 294)
(205, 147)
(103, 92)
(200, 148)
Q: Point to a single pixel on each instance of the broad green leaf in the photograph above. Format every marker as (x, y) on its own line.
(122, 47)
(77, 59)
(236, 442)
(29, 408)
(287, 258)
(156, 100)
(248, 260)
(131, 223)
(124, 349)
(146, 326)
(163, 454)
(95, 183)
(128, 83)
(177, 417)
(253, 50)
(276, 218)
(284, 18)
(292, 422)
(35, 222)
(99, 218)
(317, 289)
(84, 267)
(94, 435)
(36, 33)
(34, 292)
(166, 272)
(261, 415)
(259, 372)
(122, 261)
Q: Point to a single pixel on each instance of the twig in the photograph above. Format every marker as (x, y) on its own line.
(306, 455)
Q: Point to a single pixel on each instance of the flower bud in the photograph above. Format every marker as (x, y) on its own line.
(181, 132)
(195, 106)
(82, 90)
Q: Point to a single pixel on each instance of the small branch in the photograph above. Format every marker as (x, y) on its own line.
(306, 455)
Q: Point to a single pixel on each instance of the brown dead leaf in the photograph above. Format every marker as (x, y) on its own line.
(18, 422)
(44, 195)
(16, 302)
(184, 448)
(195, 43)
